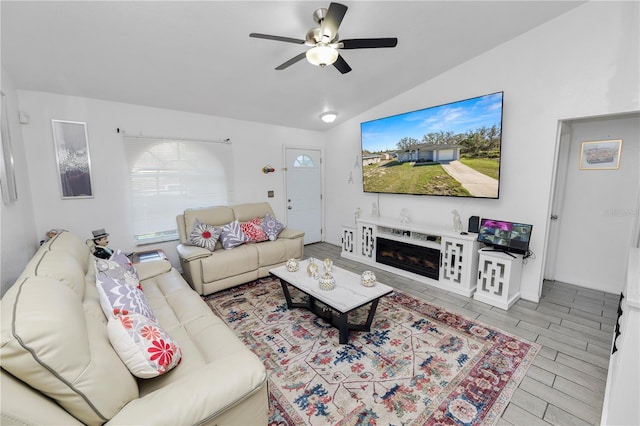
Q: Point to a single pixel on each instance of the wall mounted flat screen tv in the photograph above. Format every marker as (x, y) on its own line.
(505, 236)
(447, 150)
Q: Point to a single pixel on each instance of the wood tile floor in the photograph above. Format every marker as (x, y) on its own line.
(566, 383)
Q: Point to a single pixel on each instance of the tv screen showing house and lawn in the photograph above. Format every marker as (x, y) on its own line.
(447, 150)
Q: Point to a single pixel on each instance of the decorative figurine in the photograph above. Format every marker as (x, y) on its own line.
(374, 210)
(101, 241)
(328, 265)
(457, 223)
(357, 215)
(312, 268)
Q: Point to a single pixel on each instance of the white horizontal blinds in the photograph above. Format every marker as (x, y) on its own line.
(169, 176)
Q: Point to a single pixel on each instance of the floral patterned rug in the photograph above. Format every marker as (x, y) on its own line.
(419, 365)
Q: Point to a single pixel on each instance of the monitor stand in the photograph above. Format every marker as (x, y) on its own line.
(501, 251)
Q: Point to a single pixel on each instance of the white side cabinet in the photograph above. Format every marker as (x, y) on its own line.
(499, 276)
(458, 263)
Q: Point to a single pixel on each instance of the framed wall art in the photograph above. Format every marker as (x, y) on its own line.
(7, 166)
(601, 155)
(72, 155)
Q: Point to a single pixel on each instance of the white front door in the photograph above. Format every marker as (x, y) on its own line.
(304, 192)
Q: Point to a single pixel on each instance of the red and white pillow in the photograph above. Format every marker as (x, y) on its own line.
(253, 230)
(146, 349)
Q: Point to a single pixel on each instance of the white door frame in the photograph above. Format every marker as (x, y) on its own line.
(322, 188)
(556, 200)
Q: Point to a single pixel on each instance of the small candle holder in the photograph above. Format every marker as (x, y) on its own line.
(327, 282)
(292, 265)
(368, 279)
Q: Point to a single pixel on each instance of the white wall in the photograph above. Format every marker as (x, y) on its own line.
(254, 146)
(18, 236)
(583, 63)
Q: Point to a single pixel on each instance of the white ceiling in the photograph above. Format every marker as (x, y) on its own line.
(197, 56)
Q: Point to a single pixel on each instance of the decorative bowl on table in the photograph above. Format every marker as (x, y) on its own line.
(327, 282)
(292, 265)
(368, 279)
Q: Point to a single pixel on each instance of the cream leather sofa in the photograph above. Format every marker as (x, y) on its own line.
(209, 272)
(58, 367)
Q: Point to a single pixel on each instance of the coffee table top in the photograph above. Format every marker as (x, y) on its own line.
(348, 293)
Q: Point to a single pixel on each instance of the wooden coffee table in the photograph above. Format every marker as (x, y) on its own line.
(347, 296)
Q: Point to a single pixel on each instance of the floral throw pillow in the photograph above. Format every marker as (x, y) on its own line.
(272, 226)
(253, 230)
(119, 290)
(121, 258)
(232, 235)
(143, 346)
(203, 235)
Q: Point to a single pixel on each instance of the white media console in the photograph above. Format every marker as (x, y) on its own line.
(449, 258)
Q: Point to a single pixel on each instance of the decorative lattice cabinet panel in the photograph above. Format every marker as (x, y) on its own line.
(348, 239)
(499, 276)
(458, 263)
(367, 240)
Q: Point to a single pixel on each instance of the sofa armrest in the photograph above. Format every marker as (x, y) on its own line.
(152, 268)
(190, 253)
(291, 233)
(210, 390)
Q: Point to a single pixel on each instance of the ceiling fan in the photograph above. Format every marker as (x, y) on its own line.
(325, 42)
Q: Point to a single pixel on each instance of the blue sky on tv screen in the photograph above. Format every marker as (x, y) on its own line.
(457, 117)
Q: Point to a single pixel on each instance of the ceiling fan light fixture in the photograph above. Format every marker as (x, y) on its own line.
(329, 116)
(322, 55)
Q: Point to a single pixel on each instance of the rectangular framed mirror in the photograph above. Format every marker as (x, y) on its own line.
(72, 155)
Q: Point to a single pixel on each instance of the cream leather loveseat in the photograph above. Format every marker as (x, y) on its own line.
(209, 272)
(59, 368)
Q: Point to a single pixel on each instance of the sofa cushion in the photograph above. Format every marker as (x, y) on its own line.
(272, 226)
(216, 216)
(253, 230)
(232, 235)
(228, 263)
(203, 235)
(145, 347)
(277, 252)
(49, 343)
(246, 212)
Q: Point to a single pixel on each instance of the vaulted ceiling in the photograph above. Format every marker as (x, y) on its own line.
(197, 56)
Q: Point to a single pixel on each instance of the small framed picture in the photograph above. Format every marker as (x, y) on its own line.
(600, 155)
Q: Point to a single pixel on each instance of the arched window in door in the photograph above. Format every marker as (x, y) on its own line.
(303, 161)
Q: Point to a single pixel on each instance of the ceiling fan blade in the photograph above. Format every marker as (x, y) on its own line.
(292, 61)
(332, 21)
(367, 43)
(341, 65)
(277, 38)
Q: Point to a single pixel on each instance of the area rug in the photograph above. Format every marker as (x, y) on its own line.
(419, 364)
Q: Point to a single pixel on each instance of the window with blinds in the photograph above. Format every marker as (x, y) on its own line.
(169, 176)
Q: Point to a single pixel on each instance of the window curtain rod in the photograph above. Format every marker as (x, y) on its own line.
(162, 138)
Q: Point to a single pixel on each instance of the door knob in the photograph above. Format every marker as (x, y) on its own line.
(290, 207)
